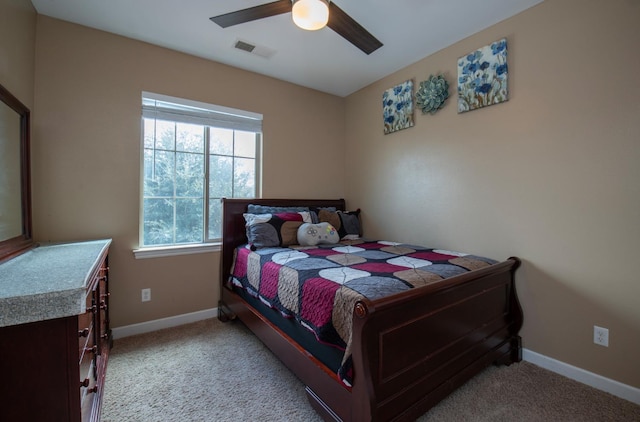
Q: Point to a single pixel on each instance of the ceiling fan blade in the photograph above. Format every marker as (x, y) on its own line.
(351, 30)
(253, 13)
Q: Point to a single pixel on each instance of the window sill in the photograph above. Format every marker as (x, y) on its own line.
(162, 251)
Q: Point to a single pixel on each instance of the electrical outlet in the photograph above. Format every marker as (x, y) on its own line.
(146, 295)
(601, 336)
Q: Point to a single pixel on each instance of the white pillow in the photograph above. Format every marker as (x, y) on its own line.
(314, 234)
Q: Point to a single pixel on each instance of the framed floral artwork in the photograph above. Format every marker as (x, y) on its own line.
(482, 77)
(397, 107)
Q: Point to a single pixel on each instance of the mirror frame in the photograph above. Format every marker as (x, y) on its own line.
(12, 247)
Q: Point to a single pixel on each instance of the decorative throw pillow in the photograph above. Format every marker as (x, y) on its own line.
(347, 222)
(315, 210)
(266, 209)
(350, 224)
(268, 230)
(314, 234)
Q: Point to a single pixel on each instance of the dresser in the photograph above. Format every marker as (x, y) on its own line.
(54, 332)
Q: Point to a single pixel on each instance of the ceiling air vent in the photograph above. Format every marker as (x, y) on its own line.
(245, 46)
(257, 50)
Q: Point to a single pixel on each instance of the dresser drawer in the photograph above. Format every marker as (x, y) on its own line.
(88, 390)
(87, 350)
(85, 331)
(87, 324)
(103, 332)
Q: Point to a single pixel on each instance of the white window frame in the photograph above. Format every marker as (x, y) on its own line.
(181, 110)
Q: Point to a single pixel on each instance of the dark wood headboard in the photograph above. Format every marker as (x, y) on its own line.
(233, 224)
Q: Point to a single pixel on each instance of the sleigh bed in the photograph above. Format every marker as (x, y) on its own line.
(401, 352)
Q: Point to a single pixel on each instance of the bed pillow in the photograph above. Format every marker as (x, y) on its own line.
(268, 230)
(315, 210)
(266, 209)
(314, 234)
(347, 222)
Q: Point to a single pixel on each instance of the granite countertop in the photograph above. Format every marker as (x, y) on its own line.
(48, 281)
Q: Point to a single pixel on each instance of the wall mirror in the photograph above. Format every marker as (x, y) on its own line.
(15, 180)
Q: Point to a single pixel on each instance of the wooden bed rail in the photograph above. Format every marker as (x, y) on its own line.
(408, 361)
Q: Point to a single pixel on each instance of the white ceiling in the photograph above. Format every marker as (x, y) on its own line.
(409, 29)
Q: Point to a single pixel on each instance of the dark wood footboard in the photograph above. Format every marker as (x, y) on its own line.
(412, 349)
(409, 350)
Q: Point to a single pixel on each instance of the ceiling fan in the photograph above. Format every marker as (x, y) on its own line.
(337, 20)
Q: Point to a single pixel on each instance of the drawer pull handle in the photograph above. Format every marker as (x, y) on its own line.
(83, 333)
(91, 309)
(103, 305)
(85, 383)
(93, 349)
(94, 389)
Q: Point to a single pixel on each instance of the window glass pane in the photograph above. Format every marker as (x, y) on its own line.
(244, 178)
(183, 162)
(221, 141)
(189, 174)
(160, 178)
(245, 144)
(190, 138)
(148, 170)
(165, 135)
(158, 222)
(149, 132)
(190, 224)
(220, 177)
(215, 218)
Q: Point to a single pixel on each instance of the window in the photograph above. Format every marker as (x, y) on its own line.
(194, 154)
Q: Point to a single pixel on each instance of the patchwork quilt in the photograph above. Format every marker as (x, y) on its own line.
(318, 286)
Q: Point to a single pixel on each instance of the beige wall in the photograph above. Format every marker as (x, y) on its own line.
(86, 152)
(17, 48)
(552, 175)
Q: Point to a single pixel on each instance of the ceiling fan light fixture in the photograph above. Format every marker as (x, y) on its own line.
(310, 14)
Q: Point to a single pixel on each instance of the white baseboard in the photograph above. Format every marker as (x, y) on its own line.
(159, 324)
(616, 388)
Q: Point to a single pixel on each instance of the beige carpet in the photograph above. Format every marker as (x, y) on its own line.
(210, 371)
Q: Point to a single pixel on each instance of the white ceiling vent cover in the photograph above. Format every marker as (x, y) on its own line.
(244, 46)
(254, 49)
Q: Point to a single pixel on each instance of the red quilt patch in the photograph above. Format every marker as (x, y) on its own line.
(317, 300)
(432, 256)
(378, 267)
(269, 280)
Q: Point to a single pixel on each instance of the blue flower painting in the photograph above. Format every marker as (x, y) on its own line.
(482, 77)
(397, 107)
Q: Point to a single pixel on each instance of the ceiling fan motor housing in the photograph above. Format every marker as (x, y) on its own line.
(310, 14)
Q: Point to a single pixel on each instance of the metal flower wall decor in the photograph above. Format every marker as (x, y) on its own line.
(432, 94)
(482, 77)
